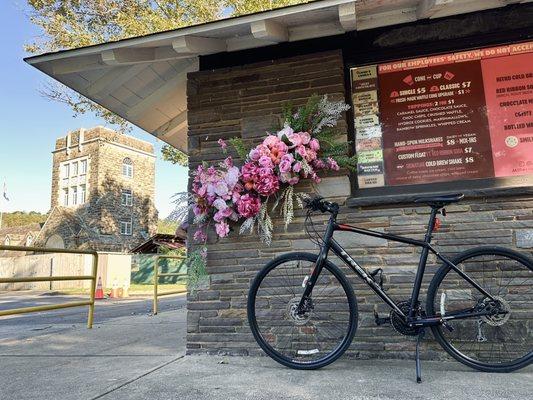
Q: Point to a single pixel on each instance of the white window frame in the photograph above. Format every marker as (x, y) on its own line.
(83, 167)
(66, 196)
(74, 191)
(75, 168)
(127, 168)
(126, 227)
(82, 194)
(126, 198)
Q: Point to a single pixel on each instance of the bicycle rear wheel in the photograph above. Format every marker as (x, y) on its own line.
(502, 341)
(317, 337)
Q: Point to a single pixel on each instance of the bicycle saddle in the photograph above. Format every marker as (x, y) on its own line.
(440, 201)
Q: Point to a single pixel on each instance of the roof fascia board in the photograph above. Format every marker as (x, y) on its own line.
(192, 30)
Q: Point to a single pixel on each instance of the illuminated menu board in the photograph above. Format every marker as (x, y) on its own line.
(450, 117)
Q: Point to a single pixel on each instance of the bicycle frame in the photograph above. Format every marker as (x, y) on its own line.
(329, 243)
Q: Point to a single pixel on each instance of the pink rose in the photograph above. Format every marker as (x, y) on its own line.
(297, 167)
(301, 151)
(267, 185)
(296, 139)
(248, 205)
(287, 157)
(314, 145)
(284, 166)
(271, 141)
(254, 154)
(265, 161)
(222, 144)
(222, 228)
(306, 137)
(310, 155)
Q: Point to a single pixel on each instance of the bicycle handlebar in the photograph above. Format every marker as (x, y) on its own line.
(319, 204)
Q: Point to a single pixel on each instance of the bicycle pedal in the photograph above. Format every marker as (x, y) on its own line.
(380, 320)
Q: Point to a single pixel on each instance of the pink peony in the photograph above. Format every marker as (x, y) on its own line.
(297, 167)
(314, 145)
(222, 228)
(249, 171)
(267, 185)
(248, 205)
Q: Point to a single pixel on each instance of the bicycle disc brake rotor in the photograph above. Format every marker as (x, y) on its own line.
(398, 323)
(495, 307)
(292, 312)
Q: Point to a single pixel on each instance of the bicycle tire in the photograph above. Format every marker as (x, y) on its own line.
(263, 342)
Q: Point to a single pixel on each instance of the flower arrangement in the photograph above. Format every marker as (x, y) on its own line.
(265, 183)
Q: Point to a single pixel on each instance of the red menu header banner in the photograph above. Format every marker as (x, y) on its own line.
(462, 56)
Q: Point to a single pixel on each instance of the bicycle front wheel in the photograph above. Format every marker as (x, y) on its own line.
(502, 340)
(302, 341)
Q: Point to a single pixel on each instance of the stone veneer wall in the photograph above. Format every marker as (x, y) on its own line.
(246, 101)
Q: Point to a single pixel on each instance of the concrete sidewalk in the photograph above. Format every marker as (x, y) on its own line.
(142, 357)
(72, 362)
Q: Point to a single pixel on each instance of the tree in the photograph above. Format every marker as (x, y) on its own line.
(74, 23)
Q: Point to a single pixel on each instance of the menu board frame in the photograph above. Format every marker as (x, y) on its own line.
(522, 184)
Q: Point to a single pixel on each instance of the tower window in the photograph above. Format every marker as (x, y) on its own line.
(127, 168)
(127, 197)
(126, 227)
(83, 195)
(65, 197)
(83, 167)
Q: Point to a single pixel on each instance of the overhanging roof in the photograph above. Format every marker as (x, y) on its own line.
(143, 79)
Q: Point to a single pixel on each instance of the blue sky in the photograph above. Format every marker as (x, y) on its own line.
(29, 125)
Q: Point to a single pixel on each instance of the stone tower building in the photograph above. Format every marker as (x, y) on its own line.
(102, 192)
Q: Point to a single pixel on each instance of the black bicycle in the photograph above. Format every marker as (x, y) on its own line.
(303, 312)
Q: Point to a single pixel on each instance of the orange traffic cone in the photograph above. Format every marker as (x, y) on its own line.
(99, 294)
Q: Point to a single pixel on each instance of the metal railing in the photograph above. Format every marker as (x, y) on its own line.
(92, 278)
(158, 275)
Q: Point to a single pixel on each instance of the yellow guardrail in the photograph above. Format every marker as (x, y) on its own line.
(158, 275)
(92, 278)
